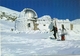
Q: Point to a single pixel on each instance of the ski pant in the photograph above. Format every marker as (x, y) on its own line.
(55, 35)
(62, 37)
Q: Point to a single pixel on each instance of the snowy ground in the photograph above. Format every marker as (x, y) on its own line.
(14, 43)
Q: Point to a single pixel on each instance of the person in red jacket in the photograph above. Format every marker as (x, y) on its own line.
(63, 33)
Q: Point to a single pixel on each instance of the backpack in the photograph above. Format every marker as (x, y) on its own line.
(56, 29)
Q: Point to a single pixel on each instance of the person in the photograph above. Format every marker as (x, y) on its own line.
(63, 33)
(55, 31)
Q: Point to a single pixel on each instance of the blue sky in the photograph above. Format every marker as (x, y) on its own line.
(61, 9)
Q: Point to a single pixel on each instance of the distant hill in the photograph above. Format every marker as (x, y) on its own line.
(8, 13)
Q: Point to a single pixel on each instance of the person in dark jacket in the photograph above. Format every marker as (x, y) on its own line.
(55, 31)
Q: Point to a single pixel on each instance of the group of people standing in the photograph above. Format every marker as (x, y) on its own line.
(55, 29)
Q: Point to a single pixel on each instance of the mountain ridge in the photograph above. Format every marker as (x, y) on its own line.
(8, 13)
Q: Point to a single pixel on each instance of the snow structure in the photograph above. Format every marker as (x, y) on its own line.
(66, 23)
(28, 20)
(44, 23)
(76, 26)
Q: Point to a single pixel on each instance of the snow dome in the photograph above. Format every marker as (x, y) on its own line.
(28, 13)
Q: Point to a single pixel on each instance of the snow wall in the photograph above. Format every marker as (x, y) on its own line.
(22, 25)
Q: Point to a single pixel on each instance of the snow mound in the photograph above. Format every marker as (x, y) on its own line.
(6, 24)
(45, 17)
(77, 21)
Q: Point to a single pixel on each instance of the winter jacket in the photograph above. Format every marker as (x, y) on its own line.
(63, 31)
(54, 29)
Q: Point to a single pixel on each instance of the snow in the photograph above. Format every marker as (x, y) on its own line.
(74, 21)
(45, 17)
(15, 43)
(6, 25)
(9, 11)
(34, 43)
